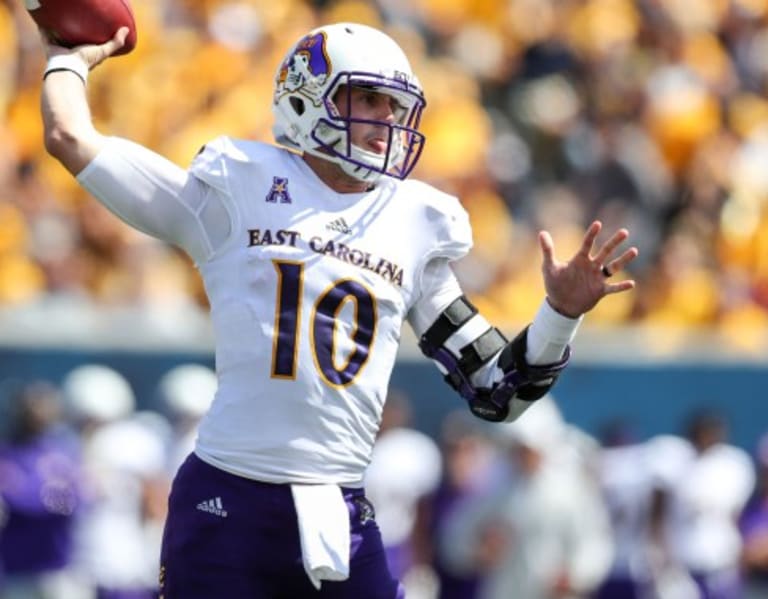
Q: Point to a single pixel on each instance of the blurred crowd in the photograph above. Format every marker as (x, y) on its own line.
(540, 509)
(536, 509)
(649, 114)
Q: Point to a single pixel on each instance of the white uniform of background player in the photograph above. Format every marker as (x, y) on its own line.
(117, 545)
(543, 533)
(186, 392)
(709, 489)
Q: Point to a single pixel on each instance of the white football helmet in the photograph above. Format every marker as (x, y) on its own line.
(305, 102)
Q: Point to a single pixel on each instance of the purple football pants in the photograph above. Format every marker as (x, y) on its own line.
(231, 537)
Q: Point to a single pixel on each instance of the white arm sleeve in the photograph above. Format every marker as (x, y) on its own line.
(157, 197)
(549, 334)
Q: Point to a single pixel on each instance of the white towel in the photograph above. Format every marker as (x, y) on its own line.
(324, 531)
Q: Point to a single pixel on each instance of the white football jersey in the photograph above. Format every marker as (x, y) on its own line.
(308, 298)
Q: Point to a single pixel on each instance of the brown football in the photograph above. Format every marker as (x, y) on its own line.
(75, 22)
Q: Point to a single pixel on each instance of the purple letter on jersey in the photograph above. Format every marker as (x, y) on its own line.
(279, 191)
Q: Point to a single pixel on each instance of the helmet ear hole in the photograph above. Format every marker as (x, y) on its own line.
(298, 105)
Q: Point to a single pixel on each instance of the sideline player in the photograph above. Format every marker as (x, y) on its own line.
(312, 259)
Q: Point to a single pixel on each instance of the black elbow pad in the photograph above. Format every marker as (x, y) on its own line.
(535, 380)
(521, 381)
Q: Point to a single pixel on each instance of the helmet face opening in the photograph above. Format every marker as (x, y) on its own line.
(313, 88)
(404, 142)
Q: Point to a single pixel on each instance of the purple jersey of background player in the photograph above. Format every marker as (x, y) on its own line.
(40, 486)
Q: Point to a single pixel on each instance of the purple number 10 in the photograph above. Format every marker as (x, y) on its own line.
(323, 326)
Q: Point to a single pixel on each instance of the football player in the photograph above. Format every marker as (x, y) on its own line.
(313, 253)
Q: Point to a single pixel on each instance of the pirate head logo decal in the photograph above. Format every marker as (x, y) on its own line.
(306, 69)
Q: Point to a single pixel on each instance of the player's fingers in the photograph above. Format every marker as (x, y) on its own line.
(619, 263)
(609, 246)
(620, 286)
(122, 34)
(117, 42)
(589, 238)
(547, 248)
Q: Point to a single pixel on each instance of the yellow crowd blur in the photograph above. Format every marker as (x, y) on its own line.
(541, 114)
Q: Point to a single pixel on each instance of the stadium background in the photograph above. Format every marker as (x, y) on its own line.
(542, 114)
(650, 114)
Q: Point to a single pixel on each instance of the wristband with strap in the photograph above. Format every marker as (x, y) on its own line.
(67, 62)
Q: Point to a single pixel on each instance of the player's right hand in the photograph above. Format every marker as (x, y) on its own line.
(90, 54)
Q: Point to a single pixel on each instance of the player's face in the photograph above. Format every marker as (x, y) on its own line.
(370, 105)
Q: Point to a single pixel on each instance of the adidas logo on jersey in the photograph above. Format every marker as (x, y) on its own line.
(213, 506)
(339, 225)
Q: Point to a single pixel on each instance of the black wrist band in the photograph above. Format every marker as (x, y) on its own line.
(58, 69)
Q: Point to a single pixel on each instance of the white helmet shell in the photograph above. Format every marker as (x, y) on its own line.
(305, 99)
(96, 392)
(188, 389)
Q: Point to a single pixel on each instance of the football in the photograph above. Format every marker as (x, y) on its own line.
(74, 22)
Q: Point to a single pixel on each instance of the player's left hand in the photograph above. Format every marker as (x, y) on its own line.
(576, 286)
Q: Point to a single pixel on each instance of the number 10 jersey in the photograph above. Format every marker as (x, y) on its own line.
(308, 296)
